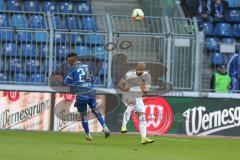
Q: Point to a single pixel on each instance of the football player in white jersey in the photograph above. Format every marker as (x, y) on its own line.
(133, 86)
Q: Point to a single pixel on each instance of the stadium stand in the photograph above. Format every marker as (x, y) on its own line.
(4, 20)
(13, 5)
(25, 43)
(220, 33)
(32, 6)
(19, 77)
(49, 6)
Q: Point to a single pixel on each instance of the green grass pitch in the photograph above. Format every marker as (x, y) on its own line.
(20, 145)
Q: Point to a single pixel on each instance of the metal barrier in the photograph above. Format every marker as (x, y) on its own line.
(182, 54)
(85, 35)
(144, 41)
(23, 39)
(168, 46)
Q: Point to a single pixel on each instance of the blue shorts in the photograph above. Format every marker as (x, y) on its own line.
(83, 100)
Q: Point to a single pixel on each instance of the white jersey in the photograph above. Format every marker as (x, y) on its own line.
(134, 83)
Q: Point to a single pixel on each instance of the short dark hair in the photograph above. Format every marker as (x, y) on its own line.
(72, 54)
(221, 66)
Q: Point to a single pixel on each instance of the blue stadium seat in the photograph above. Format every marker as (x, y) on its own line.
(13, 5)
(32, 6)
(89, 23)
(93, 39)
(82, 50)
(32, 66)
(83, 8)
(60, 38)
(72, 22)
(62, 51)
(212, 43)
(37, 78)
(76, 38)
(233, 66)
(49, 6)
(19, 77)
(24, 36)
(104, 69)
(28, 50)
(42, 37)
(232, 3)
(208, 28)
(236, 30)
(2, 5)
(37, 21)
(217, 58)
(57, 22)
(16, 65)
(43, 50)
(1, 65)
(3, 77)
(235, 84)
(97, 81)
(19, 21)
(223, 29)
(66, 7)
(233, 15)
(4, 20)
(229, 40)
(10, 49)
(99, 52)
(55, 64)
(6, 36)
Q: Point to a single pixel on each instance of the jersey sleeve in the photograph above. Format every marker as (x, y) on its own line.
(146, 80)
(126, 77)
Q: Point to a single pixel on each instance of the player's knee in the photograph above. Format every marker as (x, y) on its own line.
(142, 118)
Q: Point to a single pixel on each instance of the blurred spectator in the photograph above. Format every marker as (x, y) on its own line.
(189, 7)
(204, 11)
(221, 81)
(219, 9)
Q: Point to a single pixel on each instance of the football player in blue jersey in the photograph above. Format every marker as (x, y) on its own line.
(81, 82)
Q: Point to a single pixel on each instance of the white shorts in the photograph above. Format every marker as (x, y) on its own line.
(138, 106)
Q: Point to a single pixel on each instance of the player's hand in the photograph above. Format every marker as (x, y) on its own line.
(144, 89)
(126, 89)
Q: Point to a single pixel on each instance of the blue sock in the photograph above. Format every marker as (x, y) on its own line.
(101, 121)
(85, 127)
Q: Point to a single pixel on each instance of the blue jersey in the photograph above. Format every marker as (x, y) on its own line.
(79, 78)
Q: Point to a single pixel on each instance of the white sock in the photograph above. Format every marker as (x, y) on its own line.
(126, 116)
(142, 125)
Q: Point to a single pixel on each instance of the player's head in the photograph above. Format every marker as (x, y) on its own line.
(72, 58)
(222, 69)
(140, 68)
